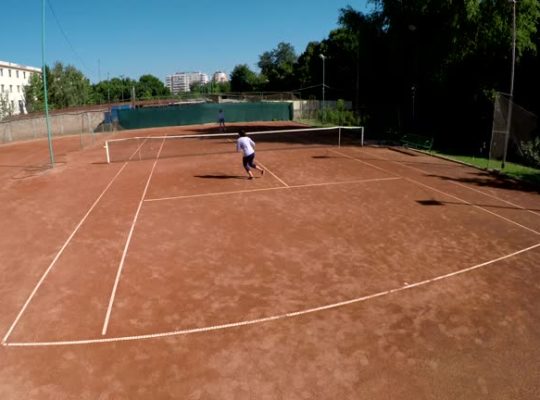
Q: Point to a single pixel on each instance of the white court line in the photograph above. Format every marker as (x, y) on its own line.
(274, 175)
(270, 318)
(60, 252)
(121, 265)
(451, 195)
(497, 198)
(365, 162)
(473, 205)
(468, 187)
(307, 185)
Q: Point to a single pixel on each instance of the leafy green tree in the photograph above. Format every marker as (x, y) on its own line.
(221, 87)
(278, 65)
(307, 70)
(114, 90)
(33, 94)
(67, 87)
(244, 79)
(149, 86)
(5, 107)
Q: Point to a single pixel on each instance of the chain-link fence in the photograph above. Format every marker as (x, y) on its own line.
(514, 130)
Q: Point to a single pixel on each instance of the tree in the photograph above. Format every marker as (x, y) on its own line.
(149, 86)
(5, 107)
(277, 66)
(67, 87)
(307, 67)
(244, 79)
(33, 94)
(114, 90)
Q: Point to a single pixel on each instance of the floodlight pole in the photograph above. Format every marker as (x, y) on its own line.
(44, 73)
(323, 57)
(512, 74)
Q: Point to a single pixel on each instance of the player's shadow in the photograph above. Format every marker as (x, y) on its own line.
(430, 202)
(322, 157)
(219, 176)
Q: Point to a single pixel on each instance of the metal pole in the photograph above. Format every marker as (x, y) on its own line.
(45, 94)
(511, 99)
(323, 85)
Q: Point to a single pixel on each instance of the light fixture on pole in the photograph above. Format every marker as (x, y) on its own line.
(511, 99)
(323, 57)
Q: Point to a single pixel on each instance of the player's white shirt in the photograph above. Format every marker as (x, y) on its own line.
(246, 145)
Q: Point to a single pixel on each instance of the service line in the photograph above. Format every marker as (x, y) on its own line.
(307, 185)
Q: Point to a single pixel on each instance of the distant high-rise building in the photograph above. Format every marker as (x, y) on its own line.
(220, 77)
(181, 81)
(13, 79)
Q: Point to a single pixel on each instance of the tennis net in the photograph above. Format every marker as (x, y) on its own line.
(152, 147)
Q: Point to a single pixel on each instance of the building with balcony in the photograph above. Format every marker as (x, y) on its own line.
(13, 79)
(182, 81)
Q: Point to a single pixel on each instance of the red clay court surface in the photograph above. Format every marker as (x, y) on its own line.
(343, 273)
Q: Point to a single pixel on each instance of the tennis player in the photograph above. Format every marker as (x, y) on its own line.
(247, 146)
(221, 120)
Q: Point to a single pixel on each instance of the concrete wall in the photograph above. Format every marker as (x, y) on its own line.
(61, 124)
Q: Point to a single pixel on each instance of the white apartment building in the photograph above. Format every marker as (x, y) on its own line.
(181, 81)
(220, 77)
(13, 79)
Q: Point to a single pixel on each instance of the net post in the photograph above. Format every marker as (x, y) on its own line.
(339, 136)
(107, 152)
(362, 136)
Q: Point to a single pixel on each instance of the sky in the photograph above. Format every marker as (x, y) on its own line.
(113, 38)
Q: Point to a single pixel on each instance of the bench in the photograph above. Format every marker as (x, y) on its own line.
(417, 141)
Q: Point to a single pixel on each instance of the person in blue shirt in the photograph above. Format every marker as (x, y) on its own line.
(221, 120)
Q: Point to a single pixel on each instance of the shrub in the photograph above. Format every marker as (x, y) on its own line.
(531, 151)
(338, 115)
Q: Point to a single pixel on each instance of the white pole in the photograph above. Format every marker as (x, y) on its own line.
(107, 152)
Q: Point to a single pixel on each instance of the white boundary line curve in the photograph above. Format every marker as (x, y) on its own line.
(184, 332)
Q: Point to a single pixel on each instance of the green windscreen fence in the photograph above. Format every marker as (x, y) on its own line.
(191, 114)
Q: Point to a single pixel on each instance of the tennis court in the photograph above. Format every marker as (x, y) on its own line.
(346, 271)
